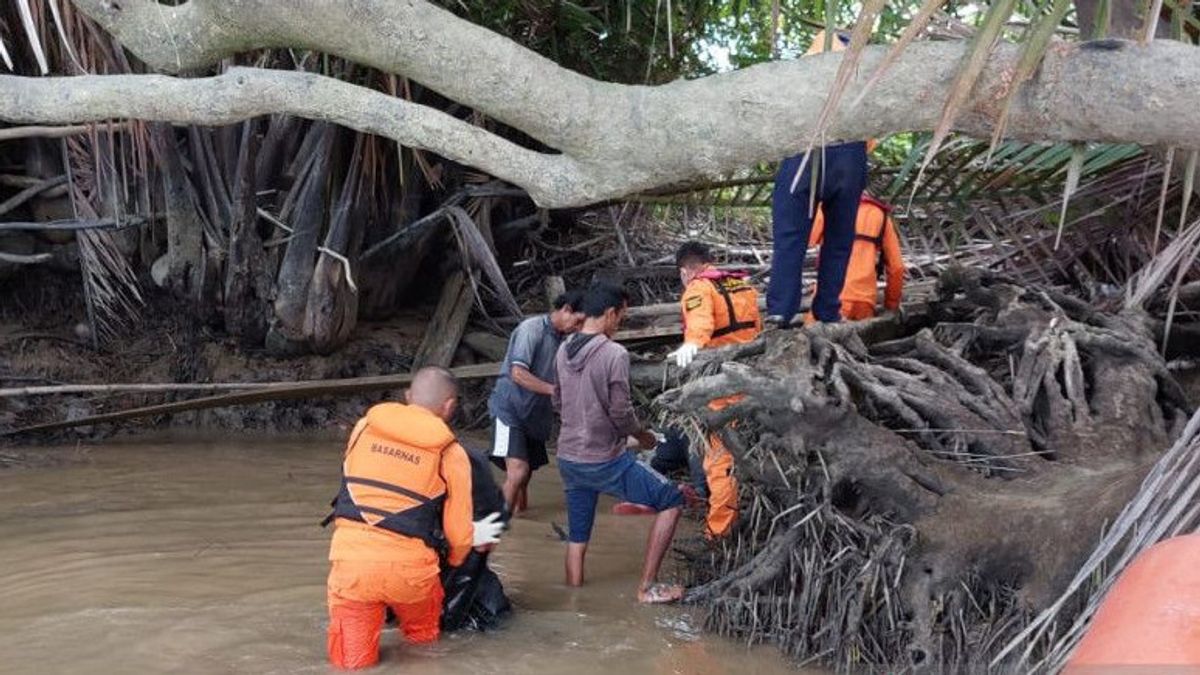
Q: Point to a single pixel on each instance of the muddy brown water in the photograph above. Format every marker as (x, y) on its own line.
(179, 556)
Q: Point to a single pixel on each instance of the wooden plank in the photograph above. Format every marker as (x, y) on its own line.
(275, 391)
(448, 324)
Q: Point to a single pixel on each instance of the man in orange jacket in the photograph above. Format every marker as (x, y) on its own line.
(405, 496)
(719, 309)
(876, 245)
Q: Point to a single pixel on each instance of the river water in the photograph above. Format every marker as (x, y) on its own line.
(178, 556)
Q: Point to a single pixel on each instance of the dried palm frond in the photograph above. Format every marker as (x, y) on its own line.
(475, 249)
(1150, 278)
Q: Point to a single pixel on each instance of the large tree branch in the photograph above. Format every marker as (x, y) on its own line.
(1078, 90)
(615, 139)
(463, 61)
(243, 93)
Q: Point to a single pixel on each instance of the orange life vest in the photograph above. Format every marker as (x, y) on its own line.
(390, 483)
(741, 302)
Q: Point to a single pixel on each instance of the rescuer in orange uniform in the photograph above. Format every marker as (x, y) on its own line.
(719, 308)
(405, 497)
(876, 245)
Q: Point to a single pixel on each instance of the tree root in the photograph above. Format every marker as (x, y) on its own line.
(914, 501)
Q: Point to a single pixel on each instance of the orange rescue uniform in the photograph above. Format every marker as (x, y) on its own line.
(720, 309)
(406, 488)
(874, 235)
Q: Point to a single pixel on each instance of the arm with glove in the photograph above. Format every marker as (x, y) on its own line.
(698, 322)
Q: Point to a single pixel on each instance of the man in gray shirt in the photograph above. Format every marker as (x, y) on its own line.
(520, 402)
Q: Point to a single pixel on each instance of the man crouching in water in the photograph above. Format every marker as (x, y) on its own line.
(592, 395)
(405, 495)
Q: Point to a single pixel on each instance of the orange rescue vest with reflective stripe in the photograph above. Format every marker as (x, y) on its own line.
(741, 302)
(391, 483)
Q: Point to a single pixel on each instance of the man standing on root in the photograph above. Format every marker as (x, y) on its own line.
(834, 178)
(405, 497)
(520, 402)
(719, 309)
(593, 397)
(876, 245)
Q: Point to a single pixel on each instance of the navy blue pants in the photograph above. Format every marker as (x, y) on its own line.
(672, 455)
(841, 178)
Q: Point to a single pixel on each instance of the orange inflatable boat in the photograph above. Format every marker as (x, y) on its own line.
(1150, 618)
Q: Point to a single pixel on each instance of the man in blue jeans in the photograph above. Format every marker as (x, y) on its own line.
(841, 177)
(592, 396)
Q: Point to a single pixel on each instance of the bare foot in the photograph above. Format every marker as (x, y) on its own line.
(658, 594)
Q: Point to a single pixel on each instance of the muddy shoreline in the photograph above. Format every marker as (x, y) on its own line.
(43, 342)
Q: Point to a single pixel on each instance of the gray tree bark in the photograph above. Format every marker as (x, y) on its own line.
(612, 139)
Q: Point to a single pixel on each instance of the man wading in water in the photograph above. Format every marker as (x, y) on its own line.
(405, 496)
(520, 403)
(592, 396)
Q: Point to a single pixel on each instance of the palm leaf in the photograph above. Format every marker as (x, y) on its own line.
(31, 33)
(1073, 171)
(8, 62)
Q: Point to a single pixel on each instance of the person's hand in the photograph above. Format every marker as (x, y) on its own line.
(685, 354)
(487, 531)
(646, 439)
(486, 548)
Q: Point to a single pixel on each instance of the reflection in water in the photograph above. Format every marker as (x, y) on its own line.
(184, 557)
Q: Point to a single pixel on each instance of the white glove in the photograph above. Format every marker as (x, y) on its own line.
(487, 531)
(684, 355)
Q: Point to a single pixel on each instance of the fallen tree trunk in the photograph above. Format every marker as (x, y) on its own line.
(612, 139)
(912, 502)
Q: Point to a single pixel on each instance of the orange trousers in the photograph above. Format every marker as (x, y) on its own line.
(852, 310)
(722, 486)
(358, 592)
(1150, 617)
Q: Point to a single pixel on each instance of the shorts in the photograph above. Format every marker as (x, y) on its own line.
(624, 478)
(514, 442)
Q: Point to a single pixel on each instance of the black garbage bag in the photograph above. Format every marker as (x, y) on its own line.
(475, 598)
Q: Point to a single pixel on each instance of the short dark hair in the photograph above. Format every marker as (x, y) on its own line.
(601, 297)
(692, 253)
(572, 299)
